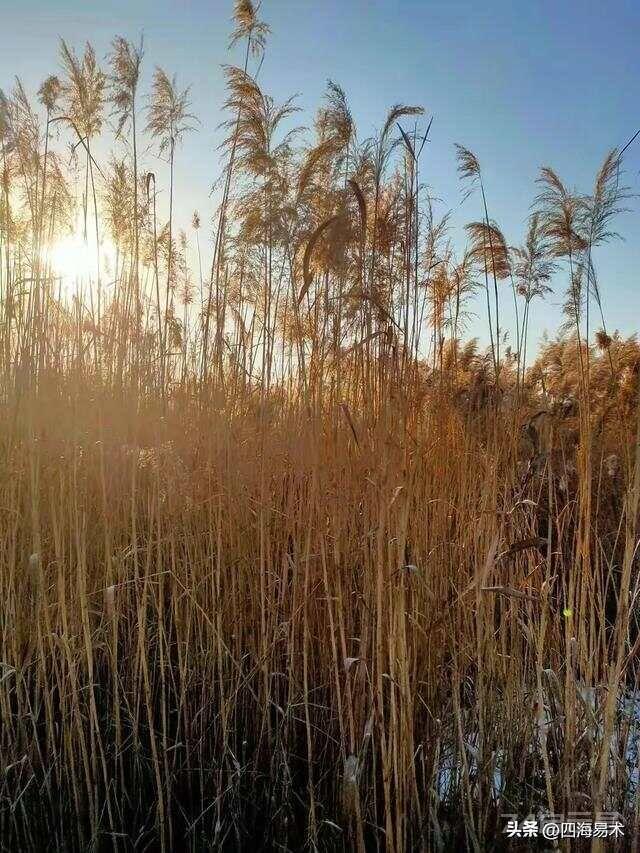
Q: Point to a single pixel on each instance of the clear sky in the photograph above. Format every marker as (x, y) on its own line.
(523, 84)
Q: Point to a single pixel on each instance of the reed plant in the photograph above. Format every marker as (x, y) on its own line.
(298, 566)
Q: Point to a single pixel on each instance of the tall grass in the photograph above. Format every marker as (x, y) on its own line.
(295, 567)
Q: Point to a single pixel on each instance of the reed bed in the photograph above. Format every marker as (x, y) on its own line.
(285, 563)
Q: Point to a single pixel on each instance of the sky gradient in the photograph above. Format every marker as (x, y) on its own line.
(521, 84)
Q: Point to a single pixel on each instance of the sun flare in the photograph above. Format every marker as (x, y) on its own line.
(74, 259)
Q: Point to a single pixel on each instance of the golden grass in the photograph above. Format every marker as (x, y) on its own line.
(240, 625)
(292, 566)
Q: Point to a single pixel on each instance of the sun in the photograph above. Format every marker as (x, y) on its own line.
(73, 259)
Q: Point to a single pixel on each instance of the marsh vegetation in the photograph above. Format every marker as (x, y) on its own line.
(287, 561)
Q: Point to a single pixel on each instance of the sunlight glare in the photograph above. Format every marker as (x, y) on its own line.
(73, 259)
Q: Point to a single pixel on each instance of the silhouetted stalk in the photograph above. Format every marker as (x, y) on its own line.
(495, 288)
(219, 236)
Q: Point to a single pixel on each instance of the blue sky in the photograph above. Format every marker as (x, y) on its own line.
(521, 84)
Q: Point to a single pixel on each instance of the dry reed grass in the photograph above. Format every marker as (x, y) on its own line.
(302, 570)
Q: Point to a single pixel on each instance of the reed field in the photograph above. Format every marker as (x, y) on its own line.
(288, 559)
